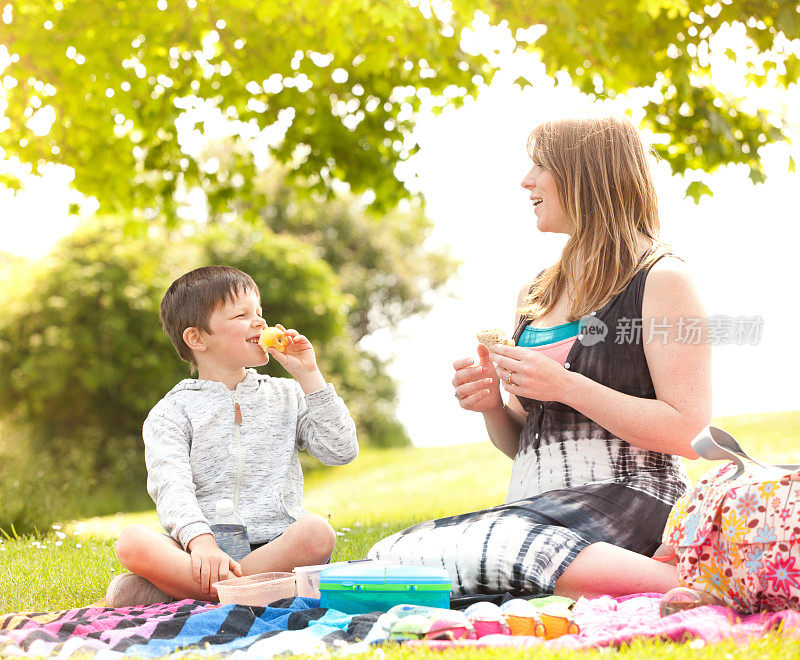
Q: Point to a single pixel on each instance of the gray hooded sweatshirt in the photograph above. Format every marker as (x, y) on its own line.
(196, 453)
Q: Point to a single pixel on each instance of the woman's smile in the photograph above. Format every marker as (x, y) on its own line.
(540, 182)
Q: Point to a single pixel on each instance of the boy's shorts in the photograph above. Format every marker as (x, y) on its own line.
(256, 546)
(253, 546)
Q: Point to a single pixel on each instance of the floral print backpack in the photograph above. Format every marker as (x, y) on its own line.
(737, 533)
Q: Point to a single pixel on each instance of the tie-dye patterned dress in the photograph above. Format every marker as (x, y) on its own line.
(573, 483)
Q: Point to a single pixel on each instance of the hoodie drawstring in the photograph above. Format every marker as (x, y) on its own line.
(238, 425)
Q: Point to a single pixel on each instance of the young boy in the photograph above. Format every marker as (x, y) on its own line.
(231, 433)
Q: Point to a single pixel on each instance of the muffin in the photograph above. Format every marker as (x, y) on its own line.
(494, 336)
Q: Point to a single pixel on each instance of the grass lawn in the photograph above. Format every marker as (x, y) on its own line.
(383, 491)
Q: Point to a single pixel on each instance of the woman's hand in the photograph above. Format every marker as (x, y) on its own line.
(477, 387)
(527, 373)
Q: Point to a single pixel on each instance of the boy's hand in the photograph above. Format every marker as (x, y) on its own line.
(210, 564)
(299, 360)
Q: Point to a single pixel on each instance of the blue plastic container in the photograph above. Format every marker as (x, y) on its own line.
(357, 589)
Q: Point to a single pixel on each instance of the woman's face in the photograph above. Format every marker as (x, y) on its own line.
(550, 214)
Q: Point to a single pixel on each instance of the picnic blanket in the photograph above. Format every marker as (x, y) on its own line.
(607, 621)
(300, 626)
(183, 627)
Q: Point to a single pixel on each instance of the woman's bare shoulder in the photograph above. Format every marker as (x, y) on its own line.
(669, 271)
(670, 286)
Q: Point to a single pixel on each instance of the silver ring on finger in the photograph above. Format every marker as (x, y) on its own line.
(508, 378)
(456, 394)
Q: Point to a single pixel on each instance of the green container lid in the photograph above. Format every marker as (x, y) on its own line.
(384, 578)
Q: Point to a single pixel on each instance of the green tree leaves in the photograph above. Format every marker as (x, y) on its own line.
(333, 85)
(696, 189)
(665, 46)
(319, 75)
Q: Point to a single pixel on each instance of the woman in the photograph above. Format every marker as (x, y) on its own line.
(613, 392)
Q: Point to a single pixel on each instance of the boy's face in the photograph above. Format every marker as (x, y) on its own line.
(235, 329)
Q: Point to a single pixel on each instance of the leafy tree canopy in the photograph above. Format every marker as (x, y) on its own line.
(609, 47)
(326, 79)
(117, 89)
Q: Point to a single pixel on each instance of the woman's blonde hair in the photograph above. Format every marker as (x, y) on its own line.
(604, 183)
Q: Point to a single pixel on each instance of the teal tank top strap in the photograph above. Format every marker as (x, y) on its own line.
(532, 337)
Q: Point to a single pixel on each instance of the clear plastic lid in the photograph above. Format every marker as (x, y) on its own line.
(224, 507)
(380, 573)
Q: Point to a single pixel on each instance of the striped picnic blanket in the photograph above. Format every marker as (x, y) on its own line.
(299, 626)
(183, 627)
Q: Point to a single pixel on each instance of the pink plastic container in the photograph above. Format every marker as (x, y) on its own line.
(258, 590)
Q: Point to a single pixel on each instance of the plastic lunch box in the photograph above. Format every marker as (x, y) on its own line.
(357, 589)
(308, 576)
(258, 590)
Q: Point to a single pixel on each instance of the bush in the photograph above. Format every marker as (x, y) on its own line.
(83, 358)
(39, 488)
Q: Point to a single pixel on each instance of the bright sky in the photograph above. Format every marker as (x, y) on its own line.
(740, 245)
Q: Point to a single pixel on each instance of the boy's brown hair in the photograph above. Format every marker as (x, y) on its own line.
(193, 297)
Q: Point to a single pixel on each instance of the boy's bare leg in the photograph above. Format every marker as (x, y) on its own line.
(146, 552)
(161, 560)
(602, 568)
(306, 542)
